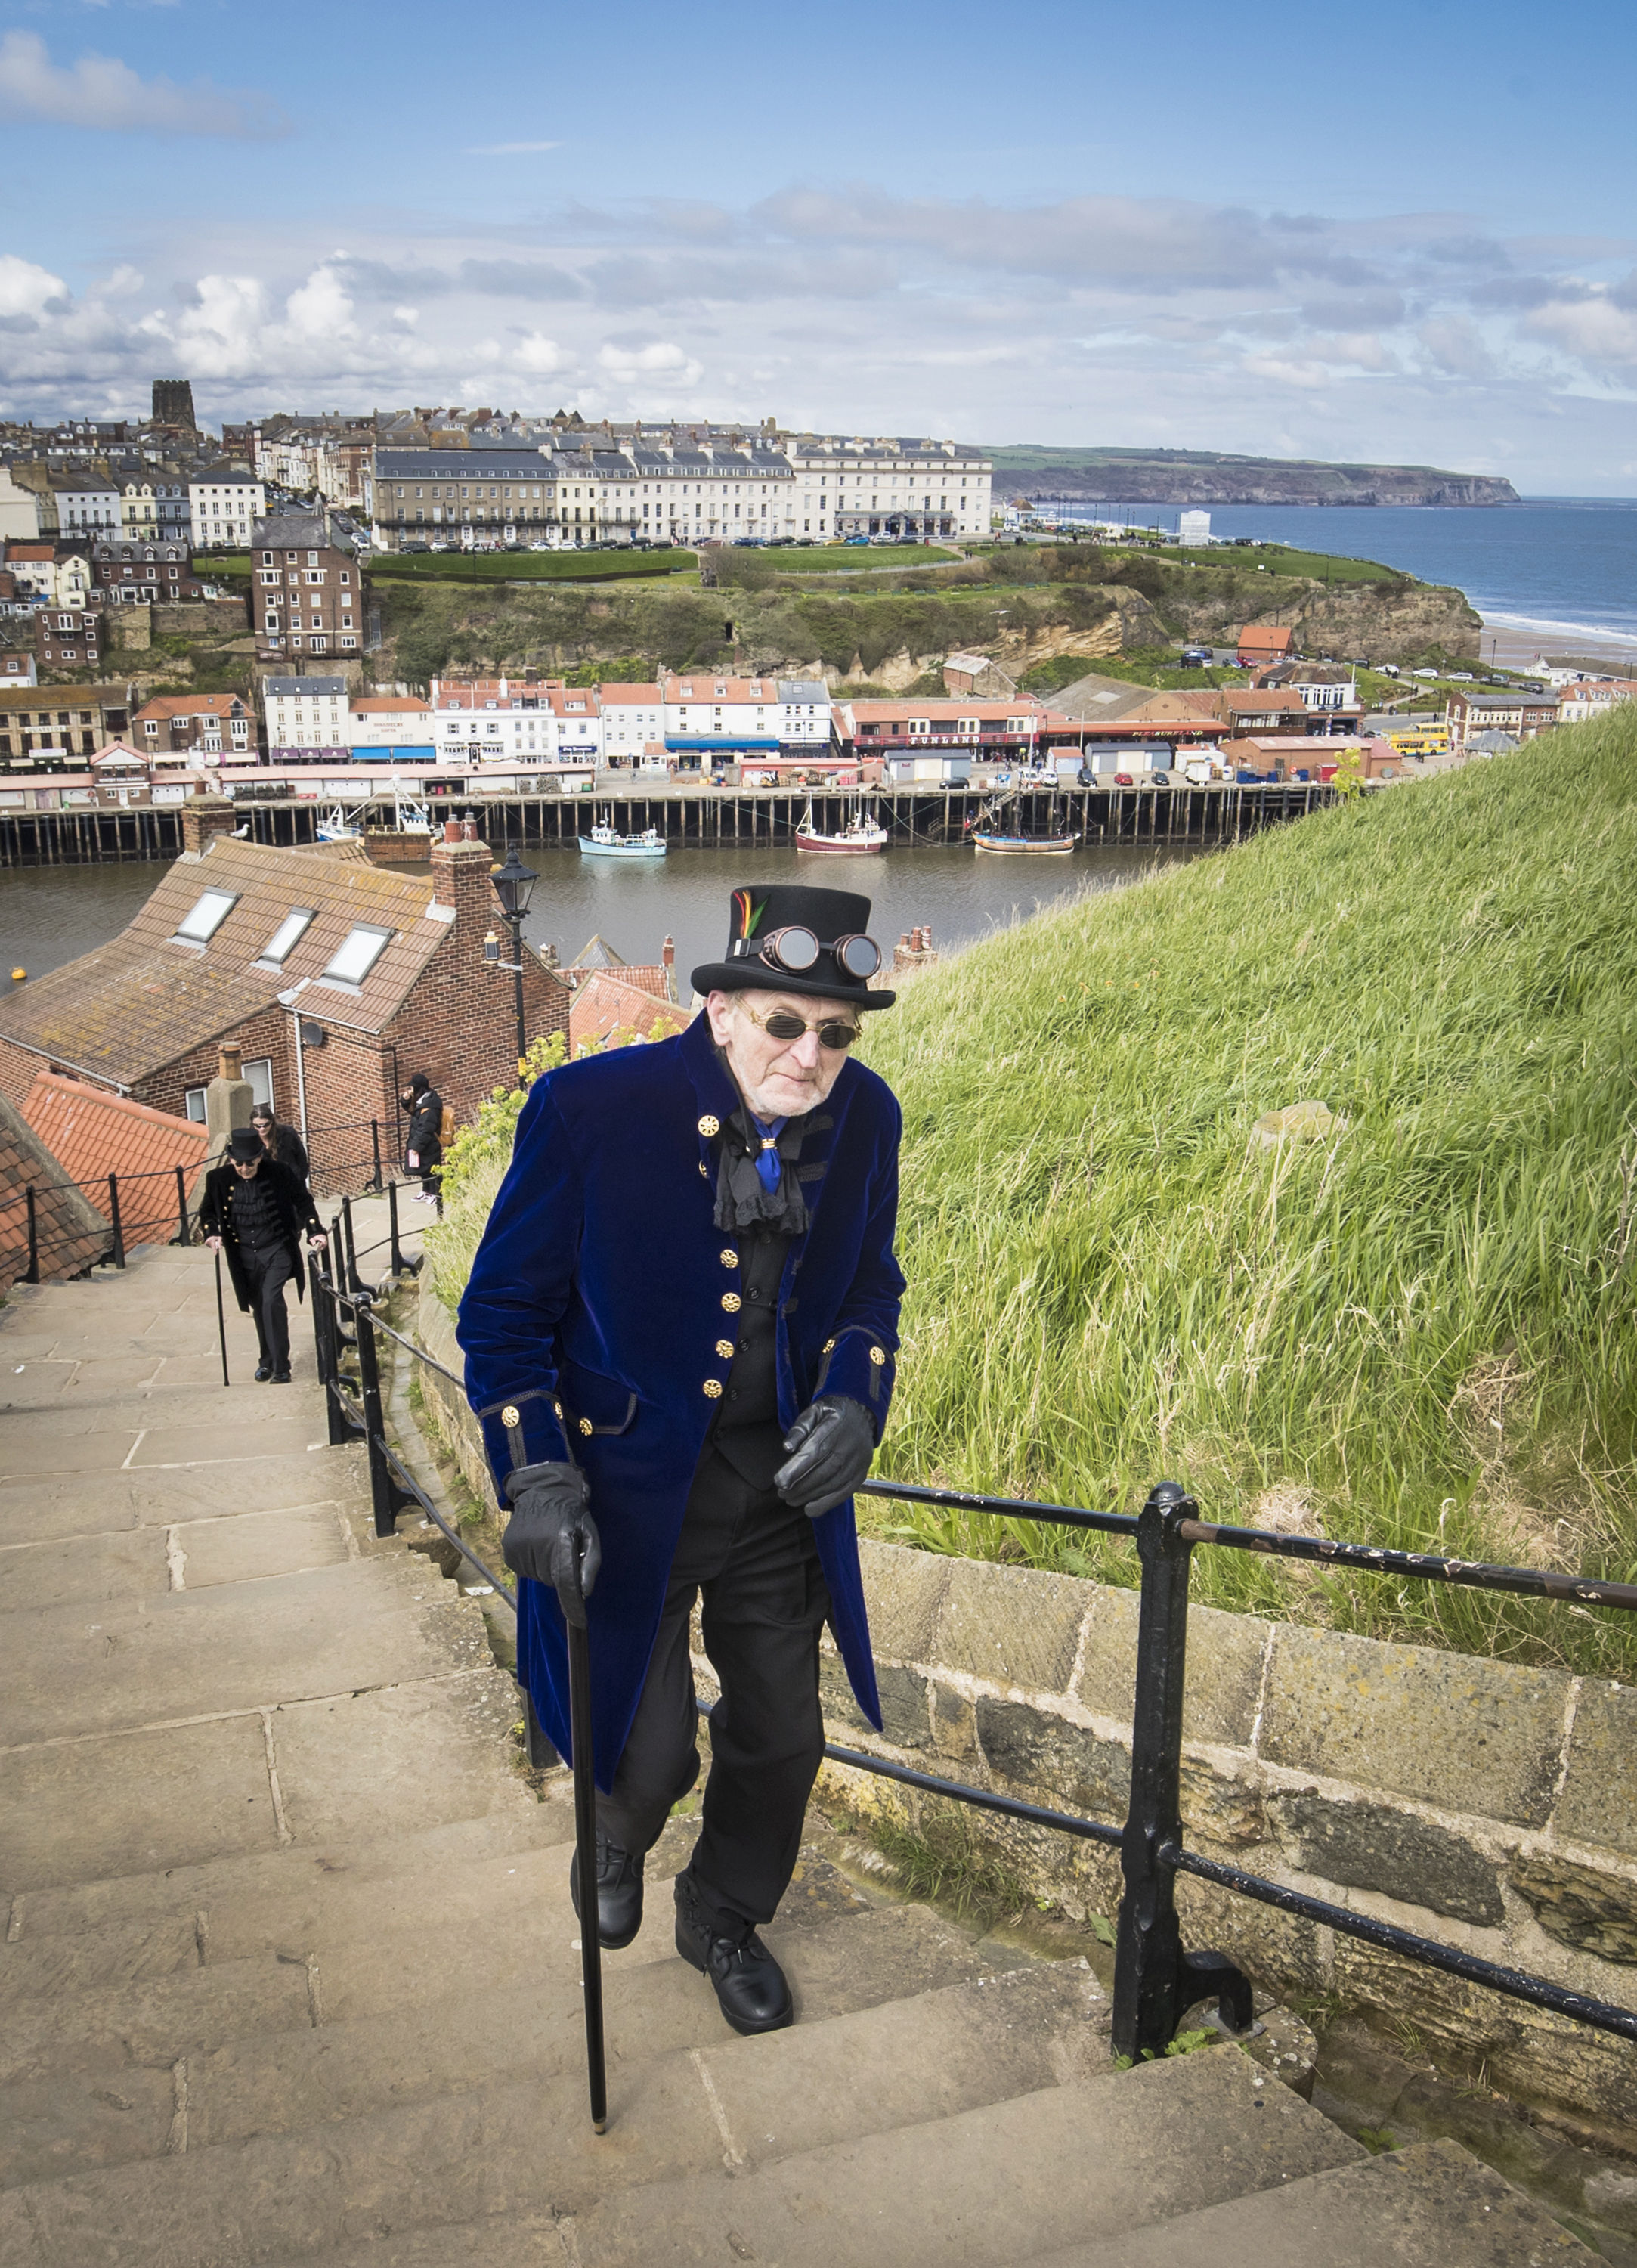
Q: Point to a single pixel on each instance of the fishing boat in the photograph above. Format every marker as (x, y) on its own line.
(860, 836)
(986, 834)
(337, 828)
(606, 842)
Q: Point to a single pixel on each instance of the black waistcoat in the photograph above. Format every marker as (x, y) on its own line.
(748, 1431)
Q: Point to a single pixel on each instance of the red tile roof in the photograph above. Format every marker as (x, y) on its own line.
(71, 1234)
(192, 704)
(93, 1134)
(606, 1003)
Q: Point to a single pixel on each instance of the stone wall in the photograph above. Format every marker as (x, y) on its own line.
(1486, 1804)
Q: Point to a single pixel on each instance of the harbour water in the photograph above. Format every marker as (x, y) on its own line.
(51, 915)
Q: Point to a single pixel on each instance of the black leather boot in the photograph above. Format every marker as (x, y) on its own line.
(619, 1893)
(751, 1991)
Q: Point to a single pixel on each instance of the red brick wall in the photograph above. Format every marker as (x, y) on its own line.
(16, 1070)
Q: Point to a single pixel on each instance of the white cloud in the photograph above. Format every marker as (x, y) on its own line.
(540, 356)
(661, 358)
(25, 289)
(101, 92)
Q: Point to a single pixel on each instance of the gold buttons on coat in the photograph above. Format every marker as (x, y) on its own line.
(557, 1406)
(510, 1415)
(585, 1425)
(709, 1125)
(728, 1259)
(732, 1302)
(724, 1348)
(703, 1175)
(877, 1357)
(713, 1387)
(829, 1346)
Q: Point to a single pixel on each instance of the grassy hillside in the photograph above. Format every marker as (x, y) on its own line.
(1420, 1330)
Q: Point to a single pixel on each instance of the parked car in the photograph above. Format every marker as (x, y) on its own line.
(1160, 779)
(416, 547)
(1124, 779)
(1195, 656)
(850, 540)
(1423, 673)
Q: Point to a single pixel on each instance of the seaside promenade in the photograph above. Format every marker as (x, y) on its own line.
(289, 1971)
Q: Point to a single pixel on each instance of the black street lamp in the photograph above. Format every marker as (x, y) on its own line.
(514, 885)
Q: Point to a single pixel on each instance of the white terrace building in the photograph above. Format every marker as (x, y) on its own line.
(225, 506)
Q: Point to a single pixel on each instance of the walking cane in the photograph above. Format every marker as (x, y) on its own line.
(585, 1846)
(221, 1320)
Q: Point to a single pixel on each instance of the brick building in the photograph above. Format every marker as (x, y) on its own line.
(335, 979)
(51, 725)
(307, 595)
(68, 637)
(211, 724)
(134, 571)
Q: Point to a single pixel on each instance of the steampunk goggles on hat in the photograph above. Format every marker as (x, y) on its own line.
(797, 950)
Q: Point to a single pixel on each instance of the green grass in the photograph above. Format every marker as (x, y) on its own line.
(523, 566)
(1422, 1332)
(1279, 559)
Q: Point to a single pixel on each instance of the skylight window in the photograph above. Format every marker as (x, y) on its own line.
(207, 916)
(357, 954)
(287, 935)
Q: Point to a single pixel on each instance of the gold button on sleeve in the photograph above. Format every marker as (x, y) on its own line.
(710, 1124)
(510, 1415)
(732, 1302)
(728, 1259)
(724, 1348)
(829, 1346)
(877, 1357)
(585, 1425)
(704, 1176)
(713, 1387)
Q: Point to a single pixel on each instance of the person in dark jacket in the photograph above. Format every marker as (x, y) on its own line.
(664, 1415)
(423, 1144)
(255, 1210)
(281, 1143)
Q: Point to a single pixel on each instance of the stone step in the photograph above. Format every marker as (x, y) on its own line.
(195, 1554)
(1429, 2207)
(529, 2146)
(474, 2033)
(63, 1507)
(1118, 2153)
(403, 1754)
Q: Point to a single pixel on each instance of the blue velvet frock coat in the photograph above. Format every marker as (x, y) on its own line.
(600, 1321)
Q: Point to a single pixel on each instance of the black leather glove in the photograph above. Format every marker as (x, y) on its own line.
(833, 1440)
(551, 1537)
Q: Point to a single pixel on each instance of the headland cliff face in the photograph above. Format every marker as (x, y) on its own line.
(1190, 476)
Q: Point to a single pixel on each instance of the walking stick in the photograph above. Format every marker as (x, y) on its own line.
(585, 1846)
(221, 1319)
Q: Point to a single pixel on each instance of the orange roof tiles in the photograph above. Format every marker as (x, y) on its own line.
(192, 704)
(69, 1231)
(93, 1134)
(607, 1003)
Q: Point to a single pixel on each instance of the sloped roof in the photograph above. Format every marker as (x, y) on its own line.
(597, 953)
(70, 1233)
(138, 1002)
(93, 1134)
(608, 1002)
(1094, 700)
(192, 704)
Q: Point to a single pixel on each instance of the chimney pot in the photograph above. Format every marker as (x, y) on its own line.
(668, 952)
(231, 1062)
(451, 830)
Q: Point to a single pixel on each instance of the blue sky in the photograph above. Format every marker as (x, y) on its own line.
(1404, 233)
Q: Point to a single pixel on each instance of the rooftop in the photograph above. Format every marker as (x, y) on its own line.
(93, 1134)
(70, 1233)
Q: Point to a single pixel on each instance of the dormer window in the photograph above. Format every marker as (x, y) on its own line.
(207, 916)
(287, 935)
(357, 954)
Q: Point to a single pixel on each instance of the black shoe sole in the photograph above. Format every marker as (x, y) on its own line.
(746, 2028)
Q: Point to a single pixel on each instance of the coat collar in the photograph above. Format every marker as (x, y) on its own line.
(717, 1098)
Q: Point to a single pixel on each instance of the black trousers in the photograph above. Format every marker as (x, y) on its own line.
(269, 1272)
(765, 1602)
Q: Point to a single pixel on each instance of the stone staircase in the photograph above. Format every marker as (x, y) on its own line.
(289, 1971)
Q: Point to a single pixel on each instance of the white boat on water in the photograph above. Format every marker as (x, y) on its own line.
(1051, 846)
(606, 842)
(860, 836)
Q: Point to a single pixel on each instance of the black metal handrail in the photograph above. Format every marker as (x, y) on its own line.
(1156, 1980)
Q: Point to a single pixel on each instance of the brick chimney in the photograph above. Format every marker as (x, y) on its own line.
(461, 865)
(203, 818)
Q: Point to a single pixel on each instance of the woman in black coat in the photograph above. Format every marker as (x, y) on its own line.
(283, 1142)
(255, 1210)
(423, 1144)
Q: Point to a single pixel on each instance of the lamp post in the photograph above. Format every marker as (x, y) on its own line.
(514, 885)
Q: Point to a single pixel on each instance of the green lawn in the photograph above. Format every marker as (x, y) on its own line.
(1323, 566)
(826, 558)
(523, 566)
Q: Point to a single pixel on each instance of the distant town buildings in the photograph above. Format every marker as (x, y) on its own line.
(306, 589)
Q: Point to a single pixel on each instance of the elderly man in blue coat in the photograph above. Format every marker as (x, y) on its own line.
(680, 1332)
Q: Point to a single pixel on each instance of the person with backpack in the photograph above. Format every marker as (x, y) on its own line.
(423, 1144)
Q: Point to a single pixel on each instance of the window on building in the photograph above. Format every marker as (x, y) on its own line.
(357, 954)
(205, 918)
(287, 935)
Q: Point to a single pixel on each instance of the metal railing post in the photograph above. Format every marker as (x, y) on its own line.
(1155, 1980)
(327, 1320)
(387, 1498)
(182, 1207)
(397, 1250)
(113, 1220)
(350, 1277)
(31, 1274)
(375, 1144)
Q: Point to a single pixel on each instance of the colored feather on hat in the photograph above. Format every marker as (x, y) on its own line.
(749, 912)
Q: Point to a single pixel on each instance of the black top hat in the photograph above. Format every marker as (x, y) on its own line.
(244, 1143)
(784, 937)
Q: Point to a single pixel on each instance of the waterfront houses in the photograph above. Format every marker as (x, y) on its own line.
(306, 718)
(306, 594)
(46, 727)
(218, 726)
(1524, 716)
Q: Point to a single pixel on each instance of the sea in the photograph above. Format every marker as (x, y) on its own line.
(1550, 575)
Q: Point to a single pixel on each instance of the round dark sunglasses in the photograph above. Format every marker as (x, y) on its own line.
(782, 1025)
(797, 950)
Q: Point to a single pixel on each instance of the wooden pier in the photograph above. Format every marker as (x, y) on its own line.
(703, 817)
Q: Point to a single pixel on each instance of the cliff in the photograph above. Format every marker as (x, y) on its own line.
(1202, 477)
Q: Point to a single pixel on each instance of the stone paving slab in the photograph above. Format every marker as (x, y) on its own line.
(267, 1437)
(36, 1507)
(246, 1546)
(77, 1809)
(187, 1653)
(99, 1568)
(152, 2022)
(371, 1763)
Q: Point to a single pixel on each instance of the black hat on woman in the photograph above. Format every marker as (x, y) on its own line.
(784, 937)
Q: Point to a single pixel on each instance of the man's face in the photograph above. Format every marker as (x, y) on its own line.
(246, 1168)
(779, 1079)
